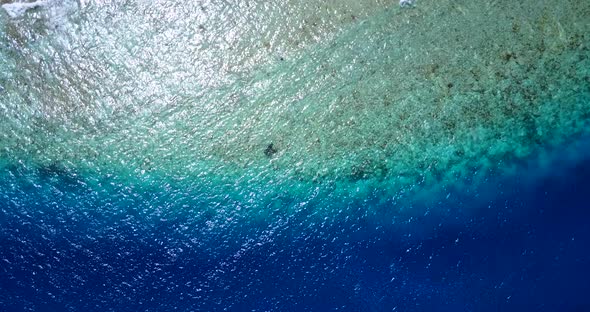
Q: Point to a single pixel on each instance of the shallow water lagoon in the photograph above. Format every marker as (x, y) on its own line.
(294, 155)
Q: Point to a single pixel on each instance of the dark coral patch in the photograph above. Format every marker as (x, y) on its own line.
(270, 150)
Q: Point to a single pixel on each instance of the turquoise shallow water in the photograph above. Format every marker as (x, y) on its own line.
(388, 99)
(338, 136)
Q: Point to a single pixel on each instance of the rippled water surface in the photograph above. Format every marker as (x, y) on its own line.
(294, 155)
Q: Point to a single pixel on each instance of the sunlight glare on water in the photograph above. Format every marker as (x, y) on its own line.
(357, 94)
(173, 151)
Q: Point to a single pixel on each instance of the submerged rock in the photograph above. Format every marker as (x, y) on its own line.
(270, 150)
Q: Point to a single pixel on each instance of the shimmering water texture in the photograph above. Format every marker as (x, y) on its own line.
(216, 127)
(362, 95)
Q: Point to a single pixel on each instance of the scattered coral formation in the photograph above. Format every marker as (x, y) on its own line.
(370, 93)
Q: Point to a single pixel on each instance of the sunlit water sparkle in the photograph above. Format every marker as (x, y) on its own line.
(294, 155)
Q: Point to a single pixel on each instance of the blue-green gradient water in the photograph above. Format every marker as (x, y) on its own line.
(294, 155)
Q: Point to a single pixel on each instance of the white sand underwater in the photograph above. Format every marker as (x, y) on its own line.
(362, 93)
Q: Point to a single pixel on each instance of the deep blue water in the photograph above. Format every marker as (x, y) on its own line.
(522, 248)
